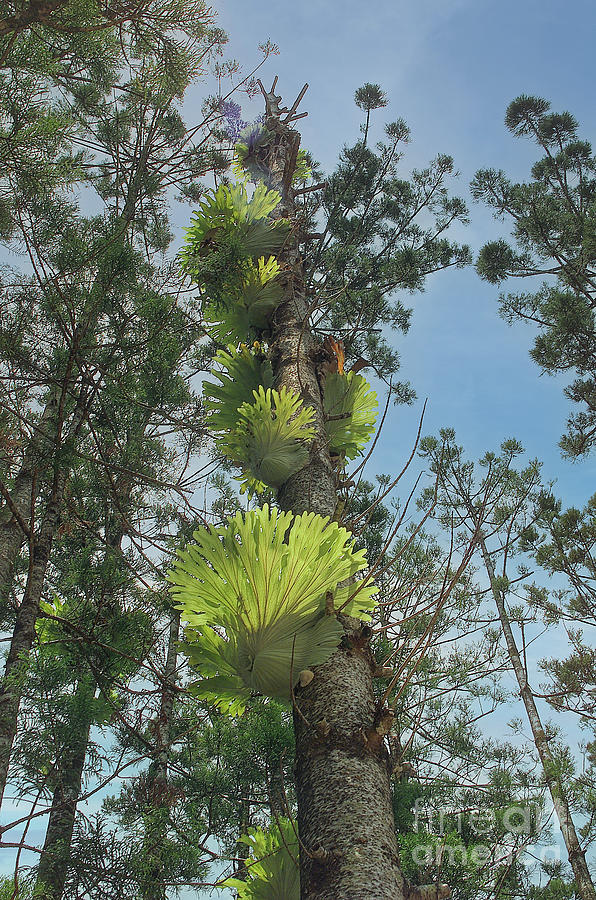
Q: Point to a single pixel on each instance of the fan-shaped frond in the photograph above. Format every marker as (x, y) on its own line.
(240, 373)
(220, 685)
(271, 437)
(247, 569)
(263, 661)
(351, 410)
(229, 213)
(249, 302)
(227, 693)
(260, 292)
(262, 581)
(273, 872)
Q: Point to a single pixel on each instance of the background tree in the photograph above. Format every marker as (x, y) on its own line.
(98, 350)
(93, 282)
(553, 218)
(498, 507)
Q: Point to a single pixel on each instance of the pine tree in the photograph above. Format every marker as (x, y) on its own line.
(73, 328)
(498, 508)
(553, 218)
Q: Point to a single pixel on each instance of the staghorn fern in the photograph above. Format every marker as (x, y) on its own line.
(270, 438)
(228, 213)
(227, 252)
(264, 661)
(248, 568)
(213, 658)
(265, 594)
(246, 165)
(241, 372)
(272, 867)
(249, 302)
(260, 292)
(351, 409)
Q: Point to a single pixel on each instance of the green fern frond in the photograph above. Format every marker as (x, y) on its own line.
(260, 292)
(228, 694)
(250, 301)
(272, 867)
(248, 569)
(230, 204)
(351, 410)
(262, 661)
(362, 601)
(240, 373)
(261, 238)
(271, 437)
(262, 580)
(229, 325)
(269, 658)
(228, 213)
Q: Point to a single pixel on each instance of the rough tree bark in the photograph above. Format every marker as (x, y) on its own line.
(55, 855)
(349, 847)
(24, 630)
(577, 857)
(152, 886)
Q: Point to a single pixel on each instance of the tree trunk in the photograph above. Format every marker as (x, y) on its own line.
(24, 630)
(345, 814)
(349, 847)
(15, 517)
(39, 556)
(55, 856)
(577, 858)
(156, 822)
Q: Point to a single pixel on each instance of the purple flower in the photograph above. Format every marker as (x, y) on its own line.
(233, 123)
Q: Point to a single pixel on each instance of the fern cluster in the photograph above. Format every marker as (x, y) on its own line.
(229, 253)
(350, 408)
(254, 594)
(265, 432)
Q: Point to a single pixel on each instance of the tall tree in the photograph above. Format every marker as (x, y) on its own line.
(261, 277)
(73, 328)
